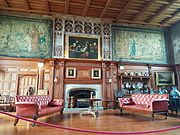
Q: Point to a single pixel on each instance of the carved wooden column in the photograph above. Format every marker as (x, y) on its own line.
(150, 82)
(104, 87)
(61, 80)
(51, 80)
(41, 75)
(113, 81)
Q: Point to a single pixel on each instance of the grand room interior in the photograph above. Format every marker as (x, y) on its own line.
(89, 67)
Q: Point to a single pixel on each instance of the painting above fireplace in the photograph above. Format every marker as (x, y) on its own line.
(83, 46)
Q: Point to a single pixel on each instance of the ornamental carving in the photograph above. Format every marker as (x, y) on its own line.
(78, 25)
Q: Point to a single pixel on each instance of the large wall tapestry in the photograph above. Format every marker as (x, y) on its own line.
(135, 45)
(176, 42)
(25, 37)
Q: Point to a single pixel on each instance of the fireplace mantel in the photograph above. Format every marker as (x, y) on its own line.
(97, 88)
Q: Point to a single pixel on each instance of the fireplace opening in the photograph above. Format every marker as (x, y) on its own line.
(79, 98)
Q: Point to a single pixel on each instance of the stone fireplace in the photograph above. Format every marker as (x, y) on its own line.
(79, 93)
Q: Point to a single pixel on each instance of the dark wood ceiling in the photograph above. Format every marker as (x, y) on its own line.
(162, 13)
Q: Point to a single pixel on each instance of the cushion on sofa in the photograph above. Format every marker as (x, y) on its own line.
(55, 102)
(128, 102)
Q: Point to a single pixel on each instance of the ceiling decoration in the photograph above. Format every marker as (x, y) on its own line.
(161, 13)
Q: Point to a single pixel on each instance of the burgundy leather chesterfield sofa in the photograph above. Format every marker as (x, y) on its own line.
(145, 103)
(37, 106)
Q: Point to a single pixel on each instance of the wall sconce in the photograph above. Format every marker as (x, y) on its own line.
(40, 64)
(56, 79)
(110, 80)
(121, 67)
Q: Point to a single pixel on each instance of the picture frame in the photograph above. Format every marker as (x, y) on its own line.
(83, 46)
(70, 72)
(165, 78)
(96, 73)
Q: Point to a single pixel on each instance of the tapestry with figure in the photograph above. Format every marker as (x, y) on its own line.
(29, 38)
(137, 45)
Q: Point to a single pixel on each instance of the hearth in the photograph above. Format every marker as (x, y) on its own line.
(77, 95)
(80, 97)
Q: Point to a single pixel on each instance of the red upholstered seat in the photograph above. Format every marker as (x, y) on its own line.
(152, 103)
(37, 106)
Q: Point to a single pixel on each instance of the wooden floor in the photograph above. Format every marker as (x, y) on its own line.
(108, 120)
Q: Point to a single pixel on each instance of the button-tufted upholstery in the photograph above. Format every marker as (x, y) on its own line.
(152, 103)
(36, 106)
(41, 100)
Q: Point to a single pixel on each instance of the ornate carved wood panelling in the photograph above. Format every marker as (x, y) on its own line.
(8, 76)
(78, 64)
(81, 26)
(16, 75)
(83, 74)
(46, 79)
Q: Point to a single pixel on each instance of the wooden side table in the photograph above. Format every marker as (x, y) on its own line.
(91, 109)
(7, 106)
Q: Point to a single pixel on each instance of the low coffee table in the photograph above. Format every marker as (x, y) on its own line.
(91, 109)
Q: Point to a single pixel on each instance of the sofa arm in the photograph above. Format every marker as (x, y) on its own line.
(125, 101)
(60, 101)
(26, 108)
(159, 105)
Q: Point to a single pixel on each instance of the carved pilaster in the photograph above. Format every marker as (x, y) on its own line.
(59, 81)
(104, 78)
(61, 88)
(113, 70)
(51, 80)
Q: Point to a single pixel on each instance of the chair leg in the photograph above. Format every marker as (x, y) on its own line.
(121, 111)
(61, 112)
(34, 118)
(133, 113)
(166, 114)
(16, 121)
(152, 116)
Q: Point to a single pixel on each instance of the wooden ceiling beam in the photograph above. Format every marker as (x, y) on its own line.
(161, 10)
(105, 8)
(67, 7)
(22, 10)
(47, 6)
(143, 10)
(170, 18)
(140, 23)
(59, 2)
(6, 3)
(124, 9)
(26, 3)
(86, 7)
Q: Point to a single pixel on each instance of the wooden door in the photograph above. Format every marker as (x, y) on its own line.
(25, 81)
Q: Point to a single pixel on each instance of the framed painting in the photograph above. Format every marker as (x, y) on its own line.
(83, 46)
(165, 78)
(96, 73)
(70, 72)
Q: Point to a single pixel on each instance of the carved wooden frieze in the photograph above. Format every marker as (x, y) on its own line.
(76, 25)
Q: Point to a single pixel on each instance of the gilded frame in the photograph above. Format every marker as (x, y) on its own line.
(165, 78)
(83, 46)
(96, 73)
(70, 72)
